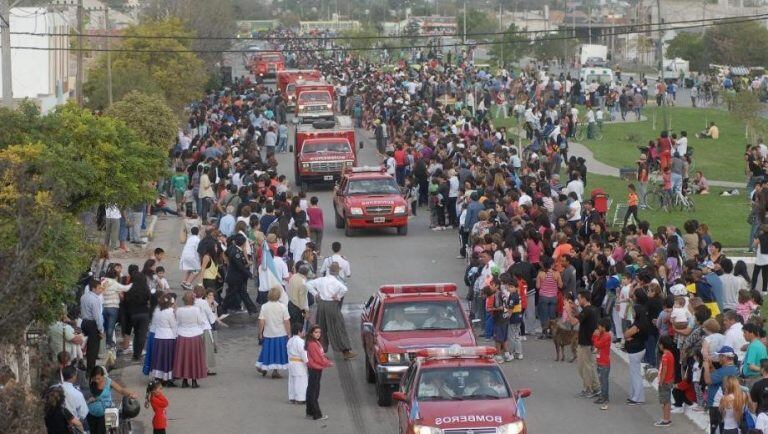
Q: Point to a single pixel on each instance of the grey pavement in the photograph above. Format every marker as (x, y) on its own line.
(239, 400)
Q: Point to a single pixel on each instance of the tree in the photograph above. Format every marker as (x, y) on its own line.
(747, 107)
(688, 46)
(553, 46)
(477, 22)
(149, 116)
(158, 66)
(512, 46)
(92, 160)
(736, 44)
(359, 39)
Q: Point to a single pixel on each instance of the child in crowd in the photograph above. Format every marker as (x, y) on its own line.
(666, 177)
(161, 282)
(297, 365)
(515, 305)
(666, 380)
(679, 316)
(746, 305)
(189, 199)
(159, 403)
(601, 341)
(632, 202)
(412, 193)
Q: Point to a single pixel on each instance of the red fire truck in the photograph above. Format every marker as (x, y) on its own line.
(286, 83)
(314, 100)
(323, 150)
(267, 64)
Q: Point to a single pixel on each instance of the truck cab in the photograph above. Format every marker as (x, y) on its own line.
(323, 150)
(286, 83)
(399, 320)
(367, 197)
(267, 64)
(458, 390)
(314, 100)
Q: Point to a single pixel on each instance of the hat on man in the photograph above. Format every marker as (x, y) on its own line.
(726, 351)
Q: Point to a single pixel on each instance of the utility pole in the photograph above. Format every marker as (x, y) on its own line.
(465, 22)
(563, 33)
(501, 29)
(80, 72)
(5, 41)
(109, 56)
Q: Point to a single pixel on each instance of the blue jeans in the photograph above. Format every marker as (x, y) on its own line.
(602, 375)
(677, 183)
(110, 320)
(650, 349)
(488, 325)
(547, 310)
(282, 144)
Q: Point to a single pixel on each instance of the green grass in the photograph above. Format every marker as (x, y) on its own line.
(720, 159)
(725, 216)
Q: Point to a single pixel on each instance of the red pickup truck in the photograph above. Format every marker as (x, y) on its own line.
(367, 197)
(399, 320)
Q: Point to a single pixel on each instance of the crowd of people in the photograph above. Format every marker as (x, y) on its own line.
(540, 257)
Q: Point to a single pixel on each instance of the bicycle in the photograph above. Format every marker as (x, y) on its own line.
(656, 198)
(683, 202)
(582, 133)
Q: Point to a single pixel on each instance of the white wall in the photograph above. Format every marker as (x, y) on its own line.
(35, 72)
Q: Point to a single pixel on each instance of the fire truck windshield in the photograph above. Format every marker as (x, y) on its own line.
(460, 383)
(317, 96)
(322, 147)
(373, 186)
(422, 315)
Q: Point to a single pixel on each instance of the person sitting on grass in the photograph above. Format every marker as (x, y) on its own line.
(700, 183)
(710, 133)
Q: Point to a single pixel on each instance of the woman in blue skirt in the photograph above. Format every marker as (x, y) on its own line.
(164, 342)
(274, 327)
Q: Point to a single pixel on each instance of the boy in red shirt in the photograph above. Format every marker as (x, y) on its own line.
(666, 380)
(601, 341)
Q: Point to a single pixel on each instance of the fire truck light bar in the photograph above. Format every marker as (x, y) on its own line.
(418, 288)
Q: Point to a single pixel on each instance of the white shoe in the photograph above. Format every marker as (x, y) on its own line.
(696, 408)
(677, 410)
(523, 338)
(508, 357)
(498, 359)
(519, 357)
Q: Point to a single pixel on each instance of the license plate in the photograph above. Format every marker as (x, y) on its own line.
(328, 178)
(379, 219)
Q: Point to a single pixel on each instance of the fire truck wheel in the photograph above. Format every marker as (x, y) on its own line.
(384, 395)
(402, 230)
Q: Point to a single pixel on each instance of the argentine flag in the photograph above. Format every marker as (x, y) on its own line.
(268, 273)
(521, 408)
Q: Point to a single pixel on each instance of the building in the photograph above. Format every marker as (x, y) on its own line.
(42, 71)
(334, 26)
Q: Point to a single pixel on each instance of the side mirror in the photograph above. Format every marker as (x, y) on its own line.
(367, 327)
(290, 148)
(399, 396)
(523, 393)
(361, 144)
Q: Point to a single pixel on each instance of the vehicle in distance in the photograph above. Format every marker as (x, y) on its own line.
(399, 320)
(323, 150)
(286, 83)
(367, 197)
(267, 64)
(314, 100)
(458, 390)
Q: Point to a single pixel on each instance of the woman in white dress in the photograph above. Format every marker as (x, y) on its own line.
(189, 262)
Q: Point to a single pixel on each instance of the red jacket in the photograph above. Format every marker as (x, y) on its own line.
(316, 356)
(159, 404)
(602, 343)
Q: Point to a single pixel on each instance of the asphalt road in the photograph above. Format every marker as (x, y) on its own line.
(239, 400)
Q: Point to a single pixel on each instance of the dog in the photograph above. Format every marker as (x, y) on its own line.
(562, 338)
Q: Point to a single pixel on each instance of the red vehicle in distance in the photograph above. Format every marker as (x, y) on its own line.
(399, 320)
(323, 150)
(367, 197)
(286, 83)
(267, 64)
(458, 390)
(314, 100)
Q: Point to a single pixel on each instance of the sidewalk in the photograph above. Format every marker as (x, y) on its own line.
(600, 168)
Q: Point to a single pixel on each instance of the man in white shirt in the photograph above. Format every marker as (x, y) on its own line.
(682, 144)
(575, 185)
(74, 401)
(328, 292)
(345, 272)
(732, 284)
(734, 336)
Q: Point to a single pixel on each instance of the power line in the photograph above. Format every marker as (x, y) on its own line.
(409, 47)
(728, 20)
